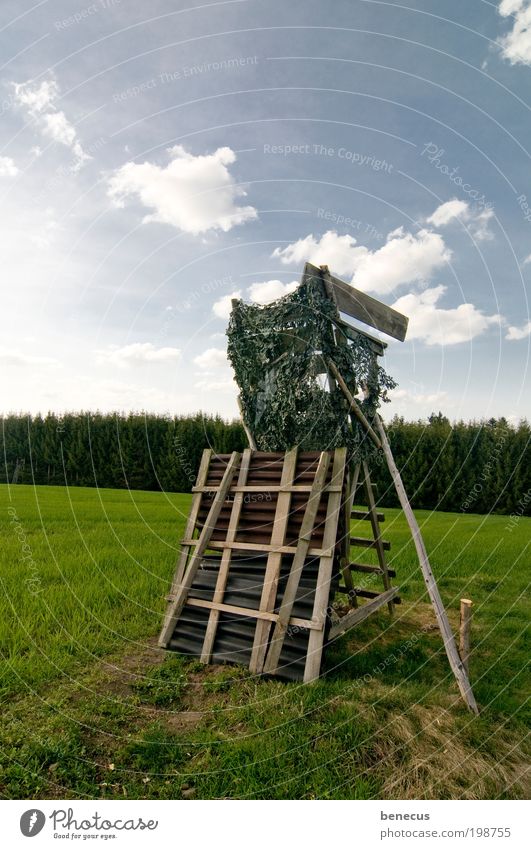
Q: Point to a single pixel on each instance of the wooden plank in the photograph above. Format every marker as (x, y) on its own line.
(192, 519)
(362, 307)
(455, 661)
(177, 605)
(356, 409)
(224, 566)
(379, 544)
(266, 487)
(347, 577)
(364, 567)
(361, 542)
(219, 545)
(354, 617)
(251, 613)
(326, 566)
(362, 515)
(352, 333)
(464, 631)
(299, 559)
(363, 593)
(274, 562)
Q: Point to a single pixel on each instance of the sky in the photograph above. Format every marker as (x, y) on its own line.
(158, 159)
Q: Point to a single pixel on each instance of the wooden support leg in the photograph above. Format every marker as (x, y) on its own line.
(448, 638)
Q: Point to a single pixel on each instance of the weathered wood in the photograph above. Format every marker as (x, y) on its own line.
(219, 545)
(297, 565)
(250, 437)
(376, 570)
(347, 577)
(354, 617)
(177, 605)
(274, 562)
(224, 566)
(362, 307)
(464, 632)
(322, 593)
(265, 487)
(362, 542)
(379, 543)
(353, 403)
(362, 515)
(251, 613)
(192, 520)
(433, 591)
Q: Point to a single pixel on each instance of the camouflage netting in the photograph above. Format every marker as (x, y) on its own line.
(278, 354)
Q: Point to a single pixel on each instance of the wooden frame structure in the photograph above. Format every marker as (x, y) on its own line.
(294, 546)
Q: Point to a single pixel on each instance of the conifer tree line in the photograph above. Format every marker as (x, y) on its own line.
(467, 467)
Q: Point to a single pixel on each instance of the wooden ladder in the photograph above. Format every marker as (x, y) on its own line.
(361, 480)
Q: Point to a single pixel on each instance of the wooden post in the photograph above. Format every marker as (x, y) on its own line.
(464, 631)
(448, 638)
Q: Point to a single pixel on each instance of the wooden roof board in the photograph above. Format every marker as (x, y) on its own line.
(357, 304)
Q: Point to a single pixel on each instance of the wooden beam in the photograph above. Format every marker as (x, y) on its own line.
(326, 567)
(379, 543)
(251, 613)
(175, 608)
(192, 520)
(354, 617)
(455, 661)
(274, 562)
(353, 403)
(299, 559)
(224, 566)
(362, 307)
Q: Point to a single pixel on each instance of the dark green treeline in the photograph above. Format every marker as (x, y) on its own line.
(474, 467)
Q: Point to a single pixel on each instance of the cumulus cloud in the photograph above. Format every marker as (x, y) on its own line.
(10, 357)
(270, 290)
(215, 371)
(222, 307)
(405, 258)
(438, 326)
(516, 333)
(418, 397)
(516, 44)
(477, 221)
(136, 354)
(38, 99)
(192, 193)
(7, 167)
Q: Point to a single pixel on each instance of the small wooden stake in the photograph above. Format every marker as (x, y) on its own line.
(464, 631)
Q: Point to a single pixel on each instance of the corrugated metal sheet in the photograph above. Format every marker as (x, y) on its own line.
(235, 633)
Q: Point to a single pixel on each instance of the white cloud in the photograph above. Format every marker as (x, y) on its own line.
(527, 260)
(418, 397)
(7, 167)
(211, 359)
(405, 258)
(192, 193)
(340, 253)
(516, 45)
(136, 354)
(516, 333)
(438, 326)
(223, 306)
(477, 221)
(9, 357)
(447, 211)
(39, 101)
(270, 290)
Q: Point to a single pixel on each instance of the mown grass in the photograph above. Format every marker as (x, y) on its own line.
(92, 709)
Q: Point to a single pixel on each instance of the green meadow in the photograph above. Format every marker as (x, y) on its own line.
(92, 709)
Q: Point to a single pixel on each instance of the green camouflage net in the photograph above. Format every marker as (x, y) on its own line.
(278, 354)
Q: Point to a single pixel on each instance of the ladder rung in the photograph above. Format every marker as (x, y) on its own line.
(363, 567)
(369, 543)
(362, 514)
(357, 591)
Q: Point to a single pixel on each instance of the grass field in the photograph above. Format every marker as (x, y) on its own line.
(91, 709)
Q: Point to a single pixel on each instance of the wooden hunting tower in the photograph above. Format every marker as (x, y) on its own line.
(267, 545)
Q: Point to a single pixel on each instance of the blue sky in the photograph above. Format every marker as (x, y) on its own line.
(157, 159)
